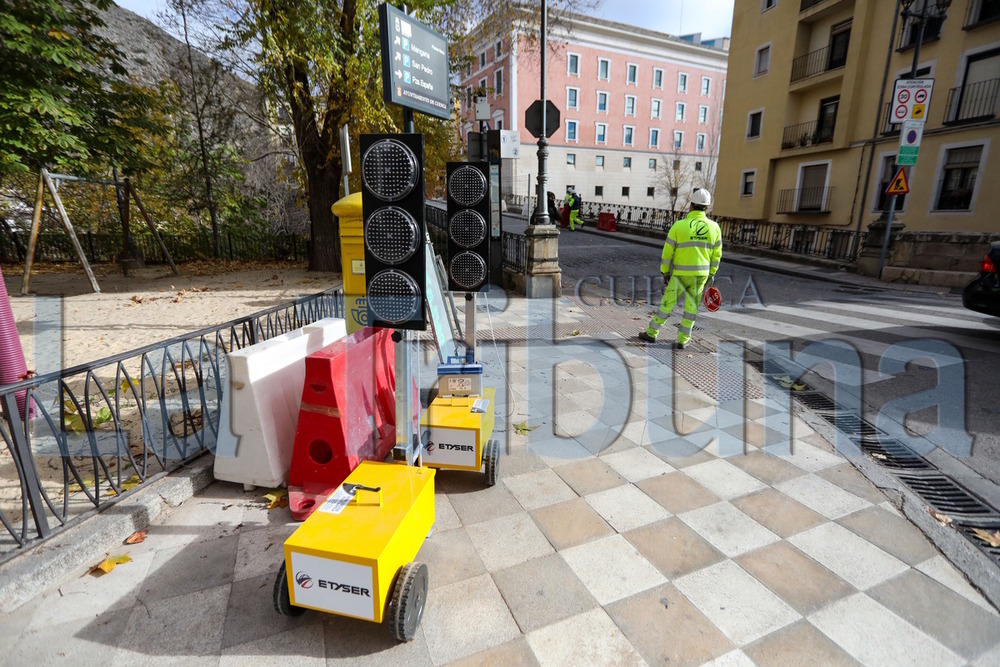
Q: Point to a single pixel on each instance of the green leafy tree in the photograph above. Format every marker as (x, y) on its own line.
(65, 99)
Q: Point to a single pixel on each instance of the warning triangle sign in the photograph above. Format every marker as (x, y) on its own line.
(899, 186)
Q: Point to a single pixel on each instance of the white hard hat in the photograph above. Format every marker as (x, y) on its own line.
(701, 197)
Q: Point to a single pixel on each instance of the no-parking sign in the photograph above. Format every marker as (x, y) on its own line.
(911, 99)
(909, 143)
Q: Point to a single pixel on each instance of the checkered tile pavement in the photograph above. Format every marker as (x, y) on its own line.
(599, 545)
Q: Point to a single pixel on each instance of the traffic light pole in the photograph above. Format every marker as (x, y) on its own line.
(403, 357)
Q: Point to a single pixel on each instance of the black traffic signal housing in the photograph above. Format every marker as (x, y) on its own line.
(392, 202)
(468, 226)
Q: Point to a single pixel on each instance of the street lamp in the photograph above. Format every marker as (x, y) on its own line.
(928, 10)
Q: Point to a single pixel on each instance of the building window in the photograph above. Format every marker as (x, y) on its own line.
(703, 115)
(697, 165)
(976, 97)
(629, 132)
(682, 82)
(673, 192)
(571, 159)
(573, 65)
(654, 138)
(655, 108)
(599, 161)
(602, 101)
(626, 163)
(911, 29)
(700, 142)
(571, 130)
(499, 123)
(681, 107)
(603, 69)
(766, 5)
(677, 165)
(812, 194)
(762, 60)
(468, 97)
(886, 174)
(650, 191)
(958, 182)
(706, 85)
(657, 77)
(753, 124)
(482, 60)
(625, 191)
(985, 11)
(631, 73)
(602, 133)
(598, 190)
(652, 163)
(827, 121)
(498, 82)
(746, 183)
(482, 86)
(630, 105)
(678, 140)
(497, 49)
(572, 98)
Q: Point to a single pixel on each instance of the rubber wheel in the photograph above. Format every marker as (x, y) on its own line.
(282, 601)
(409, 596)
(492, 458)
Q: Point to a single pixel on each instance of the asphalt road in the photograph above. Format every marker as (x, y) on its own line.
(963, 381)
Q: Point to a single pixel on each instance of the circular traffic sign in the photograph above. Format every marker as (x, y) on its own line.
(911, 137)
(904, 96)
(900, 111)
(712, 298)
(920, 96)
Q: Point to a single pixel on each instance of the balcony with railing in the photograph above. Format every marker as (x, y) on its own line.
(976, 101)
(806, 4)
(806, 134)
(817, 62)
(805, 200)
(981, 13)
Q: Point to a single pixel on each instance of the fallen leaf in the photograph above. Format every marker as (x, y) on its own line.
(992, 539)
(523, 428)
(137, 537)
(178, 299)
(276, 498)
(109, 563)
(137, 299)
(942, 519)
(129, 483)
(878, 455)
(88, 482)
(576, 332)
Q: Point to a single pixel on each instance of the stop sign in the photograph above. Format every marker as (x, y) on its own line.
(533, 119)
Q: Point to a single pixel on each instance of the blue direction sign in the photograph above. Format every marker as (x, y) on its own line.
(414, 64)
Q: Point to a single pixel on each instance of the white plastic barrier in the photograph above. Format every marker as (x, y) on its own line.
(261, 407)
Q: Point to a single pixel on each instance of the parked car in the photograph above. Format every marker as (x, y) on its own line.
(983, 293)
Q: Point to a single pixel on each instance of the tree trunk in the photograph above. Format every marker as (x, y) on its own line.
(324, 248)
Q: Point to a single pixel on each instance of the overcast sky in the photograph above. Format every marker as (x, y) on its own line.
(712, 18)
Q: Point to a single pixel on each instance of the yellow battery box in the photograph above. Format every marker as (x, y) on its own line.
(460, 431)
(345, 557)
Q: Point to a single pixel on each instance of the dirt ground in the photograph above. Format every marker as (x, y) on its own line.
(151, 304)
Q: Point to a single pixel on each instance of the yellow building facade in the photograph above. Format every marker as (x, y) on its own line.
(809, 138)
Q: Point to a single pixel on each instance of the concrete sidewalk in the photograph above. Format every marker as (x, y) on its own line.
(582, 554)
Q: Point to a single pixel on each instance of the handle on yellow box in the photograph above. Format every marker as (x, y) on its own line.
(354, 488)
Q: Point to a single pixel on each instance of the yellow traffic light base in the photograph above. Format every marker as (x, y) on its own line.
(460, 431)
(354, 555)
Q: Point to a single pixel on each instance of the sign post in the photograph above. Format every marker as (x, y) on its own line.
(898, 186)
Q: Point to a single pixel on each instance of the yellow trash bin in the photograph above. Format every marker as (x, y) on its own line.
(352, 258)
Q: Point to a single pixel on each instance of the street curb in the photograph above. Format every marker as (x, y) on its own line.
(89, 541)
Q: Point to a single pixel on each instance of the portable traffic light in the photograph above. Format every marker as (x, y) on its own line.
(468, 226)
(392, 200)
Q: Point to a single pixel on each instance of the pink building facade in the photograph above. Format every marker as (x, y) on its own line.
(640, 111)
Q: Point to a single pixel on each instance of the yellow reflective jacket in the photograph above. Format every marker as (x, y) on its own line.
(693, 247)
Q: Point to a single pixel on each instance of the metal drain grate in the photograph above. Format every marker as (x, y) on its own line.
(817, 401)
(852, 424)
(970, 534)
(946, 496)
(893, 454)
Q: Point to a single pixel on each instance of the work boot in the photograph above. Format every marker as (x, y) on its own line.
(646, 337)
(679, 345)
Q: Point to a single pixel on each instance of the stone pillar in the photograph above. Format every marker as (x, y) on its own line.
(544, 279)
(872, 249)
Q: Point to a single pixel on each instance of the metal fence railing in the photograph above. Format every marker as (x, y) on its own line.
(515, 252)
(976, 101)
(85, 436)
(814, 63)
(102, 247)
(804, 200)
(806, 134)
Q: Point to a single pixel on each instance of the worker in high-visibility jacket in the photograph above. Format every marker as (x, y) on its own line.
(690, 259)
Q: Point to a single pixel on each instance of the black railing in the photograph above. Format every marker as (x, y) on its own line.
(806, 134)
(515, 252)
(911, 31)
(806, 4)
(984, 11)
(804, 200)
(976, 101)
(815, 63)
(85, 436)
(101, 247)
